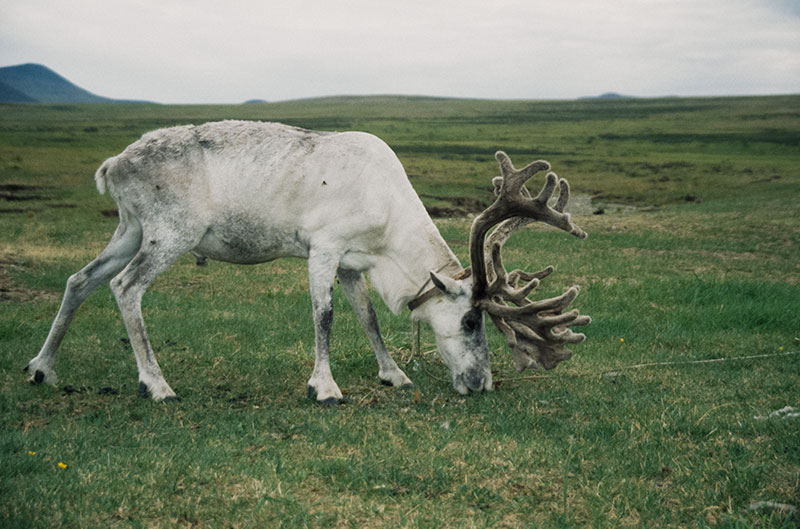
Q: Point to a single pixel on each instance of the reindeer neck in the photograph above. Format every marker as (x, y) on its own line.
(404, 269)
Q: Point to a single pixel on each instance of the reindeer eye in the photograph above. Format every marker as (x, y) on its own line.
(472, 320)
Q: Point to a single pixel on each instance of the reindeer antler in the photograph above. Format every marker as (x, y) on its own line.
(536, 331)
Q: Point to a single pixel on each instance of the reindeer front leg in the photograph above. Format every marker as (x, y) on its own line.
(321, 274)
(355, 289)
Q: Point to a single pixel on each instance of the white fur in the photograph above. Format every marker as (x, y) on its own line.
(457, 347)
(248, 192)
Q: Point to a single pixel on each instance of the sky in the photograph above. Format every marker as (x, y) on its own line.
(230, 51)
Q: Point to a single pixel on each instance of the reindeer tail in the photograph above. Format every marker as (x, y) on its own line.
(100, 175)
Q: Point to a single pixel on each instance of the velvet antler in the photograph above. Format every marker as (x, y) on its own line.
(536, 331)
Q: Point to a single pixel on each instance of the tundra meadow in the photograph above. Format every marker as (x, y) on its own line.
(679, 410)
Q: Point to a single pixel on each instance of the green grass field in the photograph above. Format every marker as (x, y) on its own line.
(694, 258)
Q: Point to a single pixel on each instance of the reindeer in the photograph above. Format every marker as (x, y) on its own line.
(250, 192)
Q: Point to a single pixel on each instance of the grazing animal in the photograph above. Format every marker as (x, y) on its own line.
(250, 192)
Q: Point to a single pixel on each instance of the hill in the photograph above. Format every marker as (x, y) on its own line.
(9, 94)
(34, 83)
(609, 95)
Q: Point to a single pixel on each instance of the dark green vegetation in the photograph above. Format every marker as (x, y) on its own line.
(695, 258)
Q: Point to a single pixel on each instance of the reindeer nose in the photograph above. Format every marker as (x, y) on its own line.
(475, 380)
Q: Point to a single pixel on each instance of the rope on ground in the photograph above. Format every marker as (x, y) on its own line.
(416, 352)
(657, 364)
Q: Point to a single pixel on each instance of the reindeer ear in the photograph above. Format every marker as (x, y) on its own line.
(446, 284)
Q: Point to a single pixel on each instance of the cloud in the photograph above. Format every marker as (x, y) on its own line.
(211, 51)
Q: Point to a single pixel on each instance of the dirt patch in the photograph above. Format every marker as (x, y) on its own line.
(22, 193)
(579, 204)
(439, 212)
(457, 206)
(13, 197)
(10, 290)
(18, 188)
(28, 193)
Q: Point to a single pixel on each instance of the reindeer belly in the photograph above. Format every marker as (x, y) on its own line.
(238, 239)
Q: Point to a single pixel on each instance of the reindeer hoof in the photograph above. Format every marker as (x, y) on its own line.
(395, 378)
(330, 401)
(406, 386)
(41, 372)
(145, 392)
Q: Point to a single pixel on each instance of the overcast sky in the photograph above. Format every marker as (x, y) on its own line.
(229, 51)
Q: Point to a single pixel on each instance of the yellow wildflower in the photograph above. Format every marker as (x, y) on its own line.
(31, 453)
(61, 465)
(622, 340)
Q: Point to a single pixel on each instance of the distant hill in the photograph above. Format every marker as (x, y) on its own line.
(9, 94)
(34, 83)
(609, 95)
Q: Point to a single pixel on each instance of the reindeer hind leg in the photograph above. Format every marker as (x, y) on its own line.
(118, 253)
(158, 251)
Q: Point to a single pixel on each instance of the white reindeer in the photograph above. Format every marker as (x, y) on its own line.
(251, 192)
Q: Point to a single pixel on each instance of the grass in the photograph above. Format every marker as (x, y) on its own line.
(699, 264)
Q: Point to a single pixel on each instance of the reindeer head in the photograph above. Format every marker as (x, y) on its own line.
(536, 331)
(459, 329)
